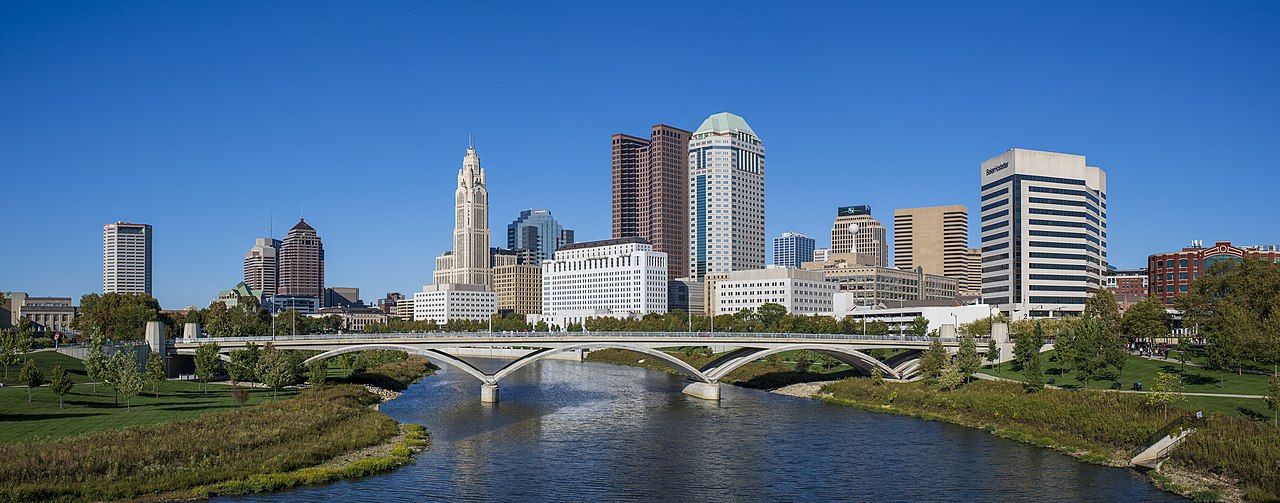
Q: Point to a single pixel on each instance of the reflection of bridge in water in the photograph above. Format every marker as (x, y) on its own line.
(745, 348)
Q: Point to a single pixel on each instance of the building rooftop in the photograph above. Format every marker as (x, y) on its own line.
(302, 225)
(724, 121)
(603, 242)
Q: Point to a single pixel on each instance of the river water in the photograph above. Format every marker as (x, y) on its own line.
(569, 431)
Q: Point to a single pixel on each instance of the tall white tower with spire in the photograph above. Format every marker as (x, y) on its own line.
(468, 262)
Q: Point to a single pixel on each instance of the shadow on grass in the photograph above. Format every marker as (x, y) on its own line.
(41, 417)
(1201, 380)
(774, 380)
(1252, 414)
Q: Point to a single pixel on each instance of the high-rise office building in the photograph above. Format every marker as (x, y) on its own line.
(539, 233)
(856, 231)
(262, 266)
(793, 249)
(468, 262)
(935, 238)
(301, 263)
(1044, 232)
(971, 285)
(650, 198)
(126, 258)
(518, 288)
(726, 197)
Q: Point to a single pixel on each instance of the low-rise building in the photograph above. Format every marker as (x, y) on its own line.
(1129, 286)
(900, 319)
(451, 301)
(45, 313)
(1173, 273)
(238, 293)
(354, 319)
(685, 294)
(614, 277)
(403, 308)
(874, 285)
(801, 292)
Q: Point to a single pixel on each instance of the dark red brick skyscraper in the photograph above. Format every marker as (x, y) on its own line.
(651, 193)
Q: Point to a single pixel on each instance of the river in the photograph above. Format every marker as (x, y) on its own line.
(569, 431)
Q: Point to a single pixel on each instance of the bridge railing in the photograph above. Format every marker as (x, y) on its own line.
(708, 336)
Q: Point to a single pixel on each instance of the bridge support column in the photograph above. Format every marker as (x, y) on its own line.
(489, 392)
(703, 390)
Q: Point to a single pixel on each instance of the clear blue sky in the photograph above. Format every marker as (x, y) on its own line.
(205, 118)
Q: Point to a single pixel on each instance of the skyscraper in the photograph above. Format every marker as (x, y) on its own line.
(126, 258)
(726, 197)
(972, 283)
(301, 263)
(650, 198)
(262, 266)
(935, 238)
(539, 233)
(792, 249)
(468, 262)
(870, 244)
(1044, 229)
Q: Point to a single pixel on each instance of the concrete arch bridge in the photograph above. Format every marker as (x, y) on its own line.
(704, 382)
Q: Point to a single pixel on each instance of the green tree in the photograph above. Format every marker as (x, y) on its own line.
(769, 314)
(951, 377)
(541, 326)
(803, 361)
(1033, 370)
(129, 379)
(1167, 390)
(993, 352)
(1102, 306)
(1065, 346)
(206, 364)
(275, 369)
(934, 359)
(155, 375)
(1027, 343)
(920, 327)
(967, 360)
(877, 327)
(1146, 320)
(877, 376)
(30, 376)
(95, 362)
(243, 363)
(1096, 351)
(60, 384)
(116, 316)
(318, 372)
(9, 355)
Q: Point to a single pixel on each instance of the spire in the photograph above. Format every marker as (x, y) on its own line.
(471, 142)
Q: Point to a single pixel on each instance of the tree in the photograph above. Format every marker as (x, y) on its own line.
(769, 314)
(877, 327)
(1027, 343)
(803, 361)
(206, 364)
(1146, 320)
(30, 376)
(61, 383)
(243, 363)
(1167, 390)
(116, 316)
(129, 379)
(8, 350)
(1092, 349)
(318, 372)
(967, 360)
(155, 372)
(933, 359)
(1102, 307)
(1033, 369)
(920, 326)
(95, 362)
(541, 326)
(951, 377)
(993, 352)
(275, 369)
(1273, 399)
(877, 376)
(1065, 346)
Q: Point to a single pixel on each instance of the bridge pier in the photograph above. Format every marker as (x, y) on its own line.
(489, 392)
(703, 390)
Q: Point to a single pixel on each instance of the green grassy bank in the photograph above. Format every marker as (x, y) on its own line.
(1095, 426)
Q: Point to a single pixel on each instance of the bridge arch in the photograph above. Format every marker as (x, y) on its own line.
(192, 352)
(717, 370)
(675, 363)
(430, 354)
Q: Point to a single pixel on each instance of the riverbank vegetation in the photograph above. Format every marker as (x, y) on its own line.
(1096, 426)
(175, 458)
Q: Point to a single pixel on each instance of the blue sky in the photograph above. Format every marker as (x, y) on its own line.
(206, 119)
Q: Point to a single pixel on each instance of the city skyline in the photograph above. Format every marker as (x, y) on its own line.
(95, 143)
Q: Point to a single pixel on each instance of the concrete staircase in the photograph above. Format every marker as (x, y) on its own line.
(1157, 447)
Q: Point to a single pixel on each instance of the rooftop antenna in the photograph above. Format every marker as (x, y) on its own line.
(471, 141)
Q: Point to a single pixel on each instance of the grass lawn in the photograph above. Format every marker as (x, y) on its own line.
(89, 412)
(45, 360)
(1138, 369)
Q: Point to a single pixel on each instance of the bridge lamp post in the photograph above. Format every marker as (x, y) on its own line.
(955, 323)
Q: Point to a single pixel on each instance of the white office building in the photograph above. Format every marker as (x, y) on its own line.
(1044, 232)
(726, 197)
(802, 292)
(126, 258)
(616, 277)
(454, 301)
(901, 319)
